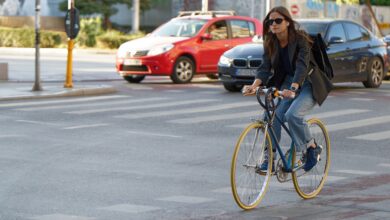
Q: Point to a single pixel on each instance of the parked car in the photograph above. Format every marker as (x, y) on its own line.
(184, 46)
(355, 53)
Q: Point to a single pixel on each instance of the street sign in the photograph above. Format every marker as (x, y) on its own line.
(294, 9)
(72, 23)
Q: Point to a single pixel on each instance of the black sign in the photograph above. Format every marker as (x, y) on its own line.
(72, 23)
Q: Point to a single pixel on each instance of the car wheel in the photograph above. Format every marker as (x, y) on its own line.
(183, 70)
(134, 78)
(375, 73)
(231, 87)
(212, 76)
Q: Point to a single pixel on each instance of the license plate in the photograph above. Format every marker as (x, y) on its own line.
(246, 72)
(132, 62)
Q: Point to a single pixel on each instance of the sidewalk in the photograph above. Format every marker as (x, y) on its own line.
(19, 91)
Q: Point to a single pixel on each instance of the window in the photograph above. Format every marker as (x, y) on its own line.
(366, 35)
(242, 28)
(218, 30)
(336, 31)
(354, 32)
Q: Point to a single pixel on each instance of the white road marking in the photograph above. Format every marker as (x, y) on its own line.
(384, 164)
(85, 126)
(37, 122)
(60, 217)
(320, 115)
(337, 113)
(130, 208)
(358, 123)
(62, 101)
(153, 134)
(108, 103)
(186, 199)
(187, 110)
(361, 99)
(214, 117)
(128, 108)
(377, 136)
(356, 172)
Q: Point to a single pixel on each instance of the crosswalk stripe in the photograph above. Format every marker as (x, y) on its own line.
(361, 99)
(187, 110)
(85, 126)
(108, 103)
(384, 164)
(356, 172)
(209, 118)
(358, 123)
(377, 136)
(320, 115)
(62, 101)
(127, 108)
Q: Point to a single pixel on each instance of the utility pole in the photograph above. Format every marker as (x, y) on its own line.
(368, 3)
(37, 84)
(135, 25)
(205, 5)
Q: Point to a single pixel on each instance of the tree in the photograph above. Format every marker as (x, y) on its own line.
(103, 7)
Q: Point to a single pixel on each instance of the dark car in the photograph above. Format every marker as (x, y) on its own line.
(355, 53)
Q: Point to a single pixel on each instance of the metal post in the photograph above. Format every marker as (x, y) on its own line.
(37, 84)
(135, 26)
(68, 78)
(205, 5)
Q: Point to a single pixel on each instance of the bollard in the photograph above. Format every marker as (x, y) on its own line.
(3, 71)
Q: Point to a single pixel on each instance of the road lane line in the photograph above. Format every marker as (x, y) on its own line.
(85, 126)
(62, 101)
(108, 103)
(128, 108)
(320, 115)
(384, 164)
(361, 99)
(358, 123)
(210, 118)
(377, 136)
(37, 122)
(153, 134)
(356, 172)
(187, 110)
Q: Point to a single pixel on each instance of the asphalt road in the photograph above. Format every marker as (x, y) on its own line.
(162, 151)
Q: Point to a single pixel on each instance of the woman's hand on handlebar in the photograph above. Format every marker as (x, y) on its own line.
(249, 90)
(289, 94)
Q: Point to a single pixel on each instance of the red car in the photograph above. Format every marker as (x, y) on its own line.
(184, 46)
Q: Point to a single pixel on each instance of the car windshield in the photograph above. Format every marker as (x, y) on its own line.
(180, 28)
(313, 28)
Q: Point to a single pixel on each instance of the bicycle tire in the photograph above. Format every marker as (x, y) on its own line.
(309, 184)
(249, 186)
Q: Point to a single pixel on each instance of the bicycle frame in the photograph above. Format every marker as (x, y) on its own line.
(270, 107)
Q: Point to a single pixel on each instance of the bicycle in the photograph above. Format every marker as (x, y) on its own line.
(254, 145)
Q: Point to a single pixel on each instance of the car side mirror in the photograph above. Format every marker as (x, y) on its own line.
(207, 36)
(387, 40)
(335, 40)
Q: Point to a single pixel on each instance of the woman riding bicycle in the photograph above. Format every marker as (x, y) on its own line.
(289, 66)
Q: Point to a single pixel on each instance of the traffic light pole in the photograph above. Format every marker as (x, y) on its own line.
(68, 79)
(37, 84)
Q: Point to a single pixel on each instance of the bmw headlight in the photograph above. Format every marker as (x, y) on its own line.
(160, 49)
(225, 61)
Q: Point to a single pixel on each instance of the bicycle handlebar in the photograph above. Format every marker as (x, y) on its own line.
(270, 95)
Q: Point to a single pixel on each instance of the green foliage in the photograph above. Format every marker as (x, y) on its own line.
(113, 39)
(90, 28)
(103, 7)
(25, 37)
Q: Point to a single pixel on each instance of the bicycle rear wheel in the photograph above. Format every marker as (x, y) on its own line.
(248, 184)
(309, 184)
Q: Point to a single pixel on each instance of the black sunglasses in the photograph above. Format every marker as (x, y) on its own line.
(277, 21)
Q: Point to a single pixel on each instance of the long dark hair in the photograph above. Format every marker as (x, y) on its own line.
(293, 30)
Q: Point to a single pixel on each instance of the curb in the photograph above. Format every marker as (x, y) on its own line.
(73, 92)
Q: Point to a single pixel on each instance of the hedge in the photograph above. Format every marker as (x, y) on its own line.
(25, 37)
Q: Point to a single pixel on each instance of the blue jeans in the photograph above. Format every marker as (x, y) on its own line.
(293, 112)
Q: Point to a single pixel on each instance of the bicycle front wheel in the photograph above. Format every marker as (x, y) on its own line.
(309, 184)
(252, 149)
